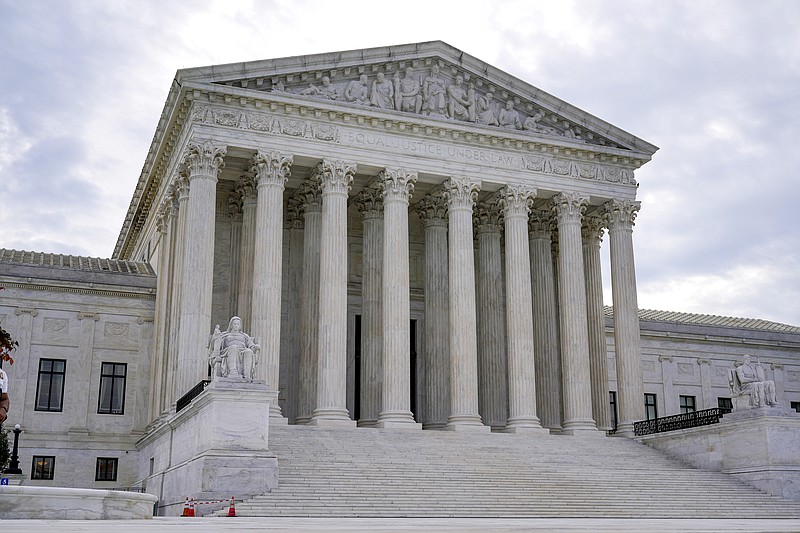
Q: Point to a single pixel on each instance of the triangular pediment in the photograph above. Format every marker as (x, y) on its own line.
(431, 80)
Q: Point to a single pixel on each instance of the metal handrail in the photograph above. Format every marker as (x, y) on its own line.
(675, 422)
(193, 393)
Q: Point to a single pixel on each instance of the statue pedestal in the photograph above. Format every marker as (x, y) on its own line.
(214, 449)
(759, 446)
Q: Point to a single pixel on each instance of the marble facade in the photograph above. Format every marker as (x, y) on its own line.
(414, 238)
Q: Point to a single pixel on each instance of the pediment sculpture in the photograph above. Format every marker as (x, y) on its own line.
(750, 387)
(233, 353)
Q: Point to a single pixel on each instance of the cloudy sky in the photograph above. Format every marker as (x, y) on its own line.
(715, 84)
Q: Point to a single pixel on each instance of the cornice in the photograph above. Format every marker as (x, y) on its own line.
(150, 294)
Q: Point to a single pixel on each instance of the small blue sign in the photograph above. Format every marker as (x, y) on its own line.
(3, 481)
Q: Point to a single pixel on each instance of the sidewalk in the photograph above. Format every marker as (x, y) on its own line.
(392, 525)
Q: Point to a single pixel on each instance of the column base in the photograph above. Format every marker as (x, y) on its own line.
(435, 426)
(397, 420)
(331, 418)
(394, 424)
(581, 428)
(278, 420)
(302, 420)
(625, 430)
(367, 423)
(467, 423)
(526, 429)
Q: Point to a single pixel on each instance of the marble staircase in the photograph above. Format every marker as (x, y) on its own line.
(395, 473)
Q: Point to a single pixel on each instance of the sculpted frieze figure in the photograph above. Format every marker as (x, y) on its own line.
(533, 124)
(459, 104)
(382, 92)
(233, 353)
(509, 117)
(357, 91)
(433, 94)
(749, 381)
(326, 90)
(407, 92)
(485, 110)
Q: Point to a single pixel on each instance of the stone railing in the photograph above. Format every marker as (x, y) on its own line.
(682, 421)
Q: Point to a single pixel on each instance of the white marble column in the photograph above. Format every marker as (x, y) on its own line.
(620, 215)
(140, 394)
(592, 234)
(669, 373)
(491, 316)
(569, 208)
(158, 366)
(432, 209)
(370, 204)
(545, 321)
(309, 194)
(398, 184)
(173, 336)
(76, 399)
(203, 162)
(23, 334)
(246, 187)
(522, 409)
(294, 222)
(461, 193)
(234, 215)
(271, 172)
(331, 404)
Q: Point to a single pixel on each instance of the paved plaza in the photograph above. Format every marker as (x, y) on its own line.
(390, 525)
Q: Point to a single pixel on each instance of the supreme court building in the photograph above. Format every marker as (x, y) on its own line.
(411, 235)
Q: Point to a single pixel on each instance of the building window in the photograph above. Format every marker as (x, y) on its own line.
(650, 406)
(612, 405)
(796, 406)
(687, 405)
(50, 385)
(725, 405)
(106, 469)
(112, 389)
(43, 467)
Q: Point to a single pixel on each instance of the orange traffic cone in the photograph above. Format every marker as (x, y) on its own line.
(232, 508)
(186, 508)
(191, 507)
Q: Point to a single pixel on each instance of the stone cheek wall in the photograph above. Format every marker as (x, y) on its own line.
(84, 318)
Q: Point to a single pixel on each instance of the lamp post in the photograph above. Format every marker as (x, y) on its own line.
(13, 467)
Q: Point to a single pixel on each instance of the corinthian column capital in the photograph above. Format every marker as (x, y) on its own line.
(569, 206)
(337, 176)
(461, 192)
(432, 209)
(620, 213)
(398, 184)
(592, 228)
(516, 200)
(271, 168)
(487, 217)
(246, 189)
(540, 223)
(203, 158)
(369, 201)
(294, 213)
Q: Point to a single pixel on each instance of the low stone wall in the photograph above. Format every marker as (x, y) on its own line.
(760, 447)
(19, 501)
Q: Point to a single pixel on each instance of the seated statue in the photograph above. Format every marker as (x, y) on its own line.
(233, 353)
(326, 90)
(748, 381)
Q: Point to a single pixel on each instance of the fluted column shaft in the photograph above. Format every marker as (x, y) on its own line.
(291, 380)
(572, 311)
(203, 163)
(158, 367)
(492, 365)
(591, 232)
(247, 188)
(620, 216)
(433, 211)
(309, 194)
(173, 339)
(398, 185)
(460, 194)
(271, 171)
(519, 311)
(545, 321)
(332, 366)
(370, 205)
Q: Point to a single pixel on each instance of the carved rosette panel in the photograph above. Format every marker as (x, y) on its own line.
(294, 213)
(487, 217)
(621, 213)
(592, 227)
(398, 184)
(540, 223)
(337, 176)
(432, 209)
(204, 158)
(516, 201)
(569, 206)
(271, 169)
(369, 202)
(55, 325)
(461, 192)
(115, 329)
(686, 369)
